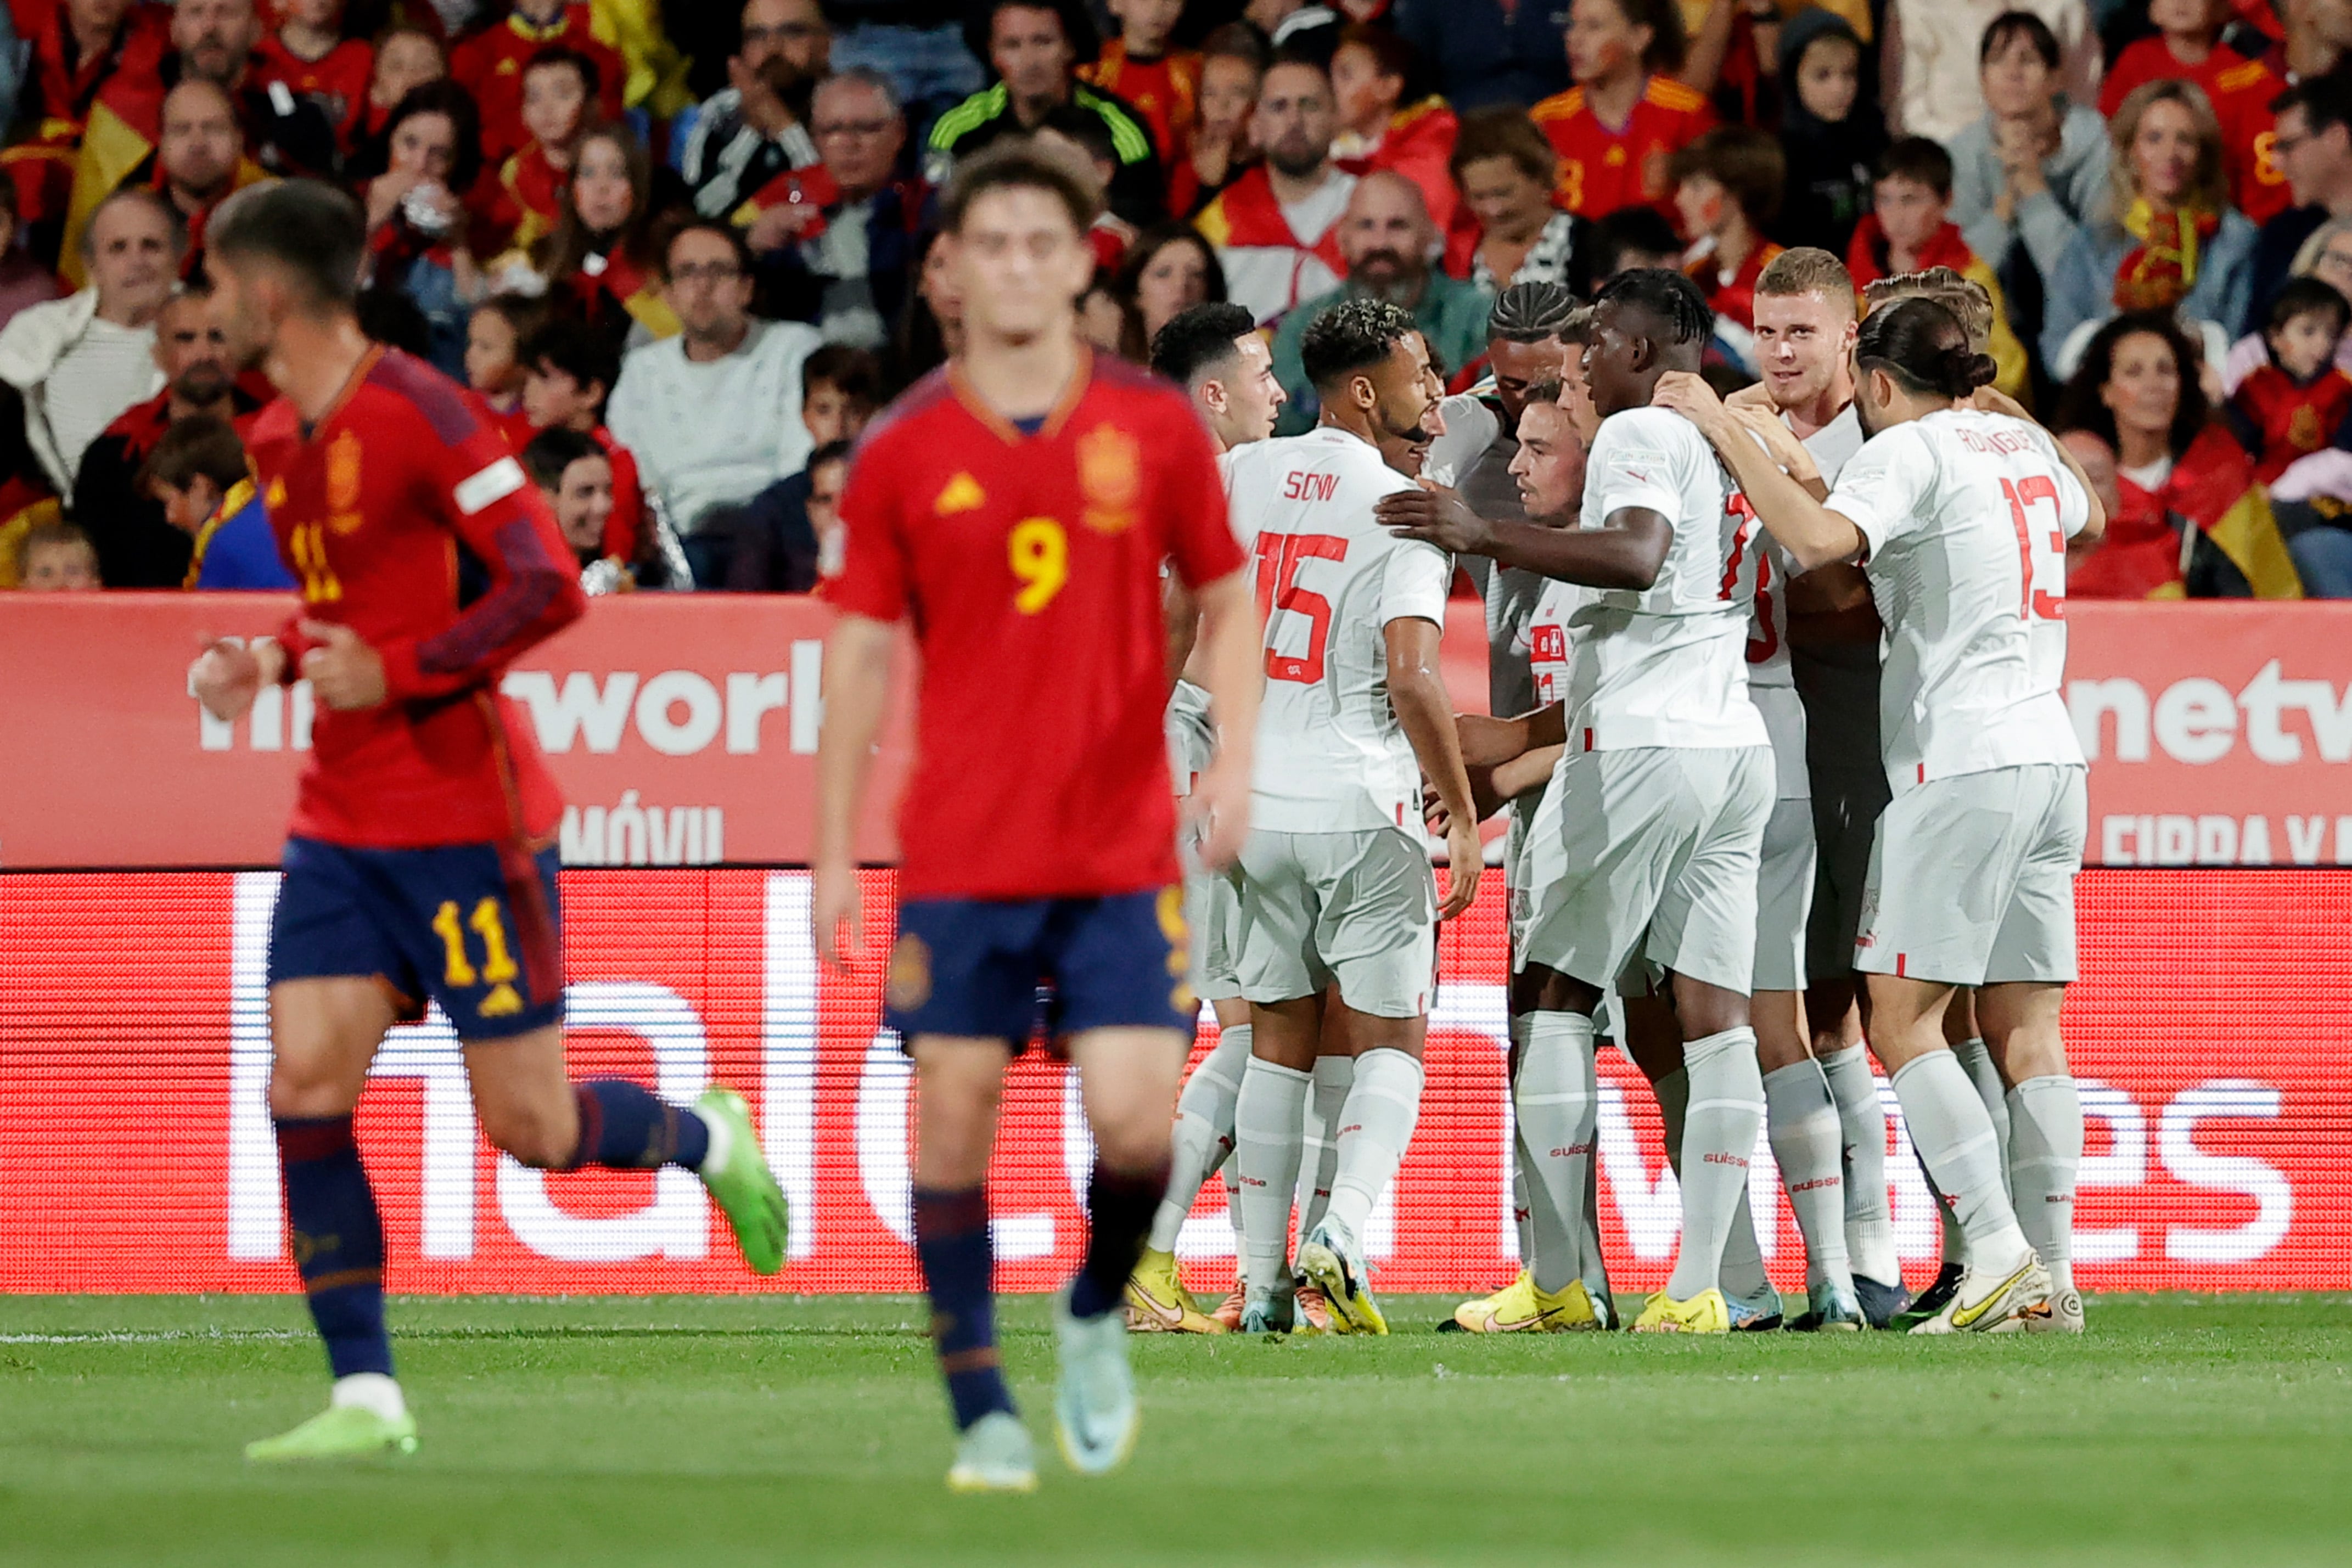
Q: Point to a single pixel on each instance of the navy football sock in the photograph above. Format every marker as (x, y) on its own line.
(625, 1126)
(1119, 1207)
(959, 1271)
(338, 1240)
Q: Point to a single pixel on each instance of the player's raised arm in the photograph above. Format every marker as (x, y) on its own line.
(1808, 530)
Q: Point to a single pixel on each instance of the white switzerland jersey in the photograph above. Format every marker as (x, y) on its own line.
(1332, 757)
(1967, 517)
(1666, 665)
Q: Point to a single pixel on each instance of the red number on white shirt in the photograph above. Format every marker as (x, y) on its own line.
(1278, 559)
(1737, 506)
(2032, 605)
(1767, 639)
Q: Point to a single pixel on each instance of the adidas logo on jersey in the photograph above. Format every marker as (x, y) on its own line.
(961, 493)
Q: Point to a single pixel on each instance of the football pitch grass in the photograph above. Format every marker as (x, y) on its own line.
(782, 1430)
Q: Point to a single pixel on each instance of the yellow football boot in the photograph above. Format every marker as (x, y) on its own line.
(1703, 1313)
(1519, 1308)
(1158, 1302)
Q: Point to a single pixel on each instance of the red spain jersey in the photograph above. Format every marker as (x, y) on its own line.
(403, 516)
(2241, 91)
(1601, 169)
(337, 79)
(1166, 91)
(490, 65)
(1029, 565)
(2289, 423)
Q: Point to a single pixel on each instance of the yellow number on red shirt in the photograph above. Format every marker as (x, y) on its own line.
(308, 545)
(1039, 550)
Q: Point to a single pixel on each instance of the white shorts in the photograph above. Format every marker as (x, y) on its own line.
(1784, 721)
(1359, 908)
(1838, 684)
(1972, 879)
(1654, 852)
(1212, 909)
(1784, 896)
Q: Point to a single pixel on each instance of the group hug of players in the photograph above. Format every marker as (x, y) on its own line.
(1663, 576)
(1045, 522)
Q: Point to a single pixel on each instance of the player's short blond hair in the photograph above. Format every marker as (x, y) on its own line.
(1808, 269)
(1964, 298)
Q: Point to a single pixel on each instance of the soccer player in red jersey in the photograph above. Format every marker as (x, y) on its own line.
(420, 862)
(1016, 507)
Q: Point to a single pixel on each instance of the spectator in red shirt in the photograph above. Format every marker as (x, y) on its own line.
(1377, 129)
(576, 476)
(600, 260)
(2296, 403)
(405, 59)
(569, 368)
(495, 370)
(1728, 186)
(310, 56)
(1233, 63)
(2188, 47)
(490, 65)
(1626, 117)
(559, 94)
(77, 47)
(1161, 85)
(418, 238)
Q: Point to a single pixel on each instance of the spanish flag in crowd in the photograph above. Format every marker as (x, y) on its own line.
(2208, 531)
(124, 125)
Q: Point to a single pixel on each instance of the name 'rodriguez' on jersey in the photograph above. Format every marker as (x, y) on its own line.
(1967, 517)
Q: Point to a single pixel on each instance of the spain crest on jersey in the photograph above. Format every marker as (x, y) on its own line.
(1111, 476)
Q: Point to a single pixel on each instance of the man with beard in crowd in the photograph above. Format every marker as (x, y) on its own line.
(136, 548)
(1387, 240)
(757, 127)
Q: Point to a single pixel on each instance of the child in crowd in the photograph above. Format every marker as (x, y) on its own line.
(495, 335)
(1727, 187)
(309, 55)
(2298, 403)
(559, 99)
(1074, 132)
(1908, 231)
(781, 535)
(405, 59)
(54, 558)
(841, 389)
(199, 474)
(569, 368)
(2188, 46)
(1830, 129)
(1163, 85)
(576, 476)
(1233, 62)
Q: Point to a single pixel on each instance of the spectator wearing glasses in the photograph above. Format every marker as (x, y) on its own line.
(2314, 151)
(836, 243)
(757, 127)
(714, 413)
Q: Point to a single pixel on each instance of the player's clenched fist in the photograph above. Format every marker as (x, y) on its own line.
(344, 672)
(227, 676)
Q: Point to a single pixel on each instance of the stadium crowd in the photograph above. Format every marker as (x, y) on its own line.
(682, 257)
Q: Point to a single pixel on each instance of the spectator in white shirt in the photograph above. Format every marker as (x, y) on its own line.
(72, 365)
(713, 416)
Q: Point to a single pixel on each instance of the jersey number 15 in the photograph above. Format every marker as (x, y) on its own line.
(1278, 560)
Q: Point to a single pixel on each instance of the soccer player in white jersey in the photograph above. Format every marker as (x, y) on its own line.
(1215, 352)
(1335, 877)
(1648, 846)
(1962, 518)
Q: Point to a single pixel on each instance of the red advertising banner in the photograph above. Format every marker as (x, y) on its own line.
(134, 1056)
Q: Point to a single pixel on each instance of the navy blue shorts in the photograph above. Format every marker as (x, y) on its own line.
(472, 927)
(1013, 969)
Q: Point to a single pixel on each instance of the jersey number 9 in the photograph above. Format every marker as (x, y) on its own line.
(1039, 548)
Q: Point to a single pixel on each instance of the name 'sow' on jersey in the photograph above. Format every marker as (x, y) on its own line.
(1332, 757)
(1666, 665)
(1967, 517)
(1029, 565)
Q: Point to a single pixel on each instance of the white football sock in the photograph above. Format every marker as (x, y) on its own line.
(1318, 1164)
(1595, 1271)
(1375, 1126)
(1720, 1126)
(1522, 1217)
(1955, 1144)
(1267, 1117)
(1862, 1126)
(2045, 1150)
(1952, 1243)
(1555, 1098)
(370, 1391)
(1203, 1135)
(1974, 1056)
(1740, 1275)
(1801, 1120)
